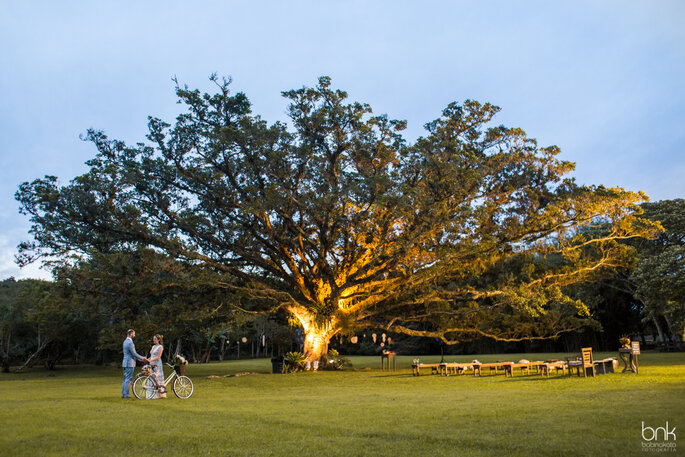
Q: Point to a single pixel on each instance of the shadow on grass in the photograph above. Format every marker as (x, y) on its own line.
(393, 375)
(538, 378)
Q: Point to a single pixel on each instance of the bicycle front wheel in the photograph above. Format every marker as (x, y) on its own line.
(143, 387)
(183, 387)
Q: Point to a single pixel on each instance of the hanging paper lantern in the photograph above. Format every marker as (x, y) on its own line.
(382, 344)
(354, 340)
(244, 340)
(389, 340)
(373, 335)
(383, 335)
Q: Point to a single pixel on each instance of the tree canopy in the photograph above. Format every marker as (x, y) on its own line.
(472, 230)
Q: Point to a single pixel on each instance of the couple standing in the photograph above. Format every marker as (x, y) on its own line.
(130, 357)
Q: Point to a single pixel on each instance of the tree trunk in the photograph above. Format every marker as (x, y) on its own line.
(208, 353)
(53, 358)
(658, 329)
(315, 345)
(317, 334)
(6, 355)
(31, 358)
(669, 328)
(178, 347)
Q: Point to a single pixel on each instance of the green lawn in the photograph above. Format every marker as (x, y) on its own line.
(76, 411)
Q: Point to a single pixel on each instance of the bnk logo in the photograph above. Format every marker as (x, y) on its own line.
(650, 434)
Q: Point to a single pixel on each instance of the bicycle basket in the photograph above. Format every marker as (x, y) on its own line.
(147, 370)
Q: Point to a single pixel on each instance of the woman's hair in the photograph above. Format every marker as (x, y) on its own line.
(160, 339)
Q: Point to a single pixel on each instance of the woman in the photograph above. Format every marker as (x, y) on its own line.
(156, 362)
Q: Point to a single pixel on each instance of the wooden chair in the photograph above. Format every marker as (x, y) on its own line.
(583, 361)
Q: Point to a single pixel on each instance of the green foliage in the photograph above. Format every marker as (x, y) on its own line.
(152, 293)
(294, 362)
(38, 319)
(16, 331)
(472, 231)
(659, 273)
(334, 361)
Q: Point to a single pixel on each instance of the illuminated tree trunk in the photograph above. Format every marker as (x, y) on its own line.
(317, 334)
(315, 344)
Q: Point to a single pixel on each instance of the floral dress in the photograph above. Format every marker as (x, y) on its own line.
(157, 368)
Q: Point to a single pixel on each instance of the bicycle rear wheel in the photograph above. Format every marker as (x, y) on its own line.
(144, 387)
(183, 387)
(133, 383)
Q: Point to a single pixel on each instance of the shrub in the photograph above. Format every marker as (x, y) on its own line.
(293, 362)
(334, 361)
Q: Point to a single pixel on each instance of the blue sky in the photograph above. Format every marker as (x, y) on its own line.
(605, 81)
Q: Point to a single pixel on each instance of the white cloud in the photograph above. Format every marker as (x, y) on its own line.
(9, 268)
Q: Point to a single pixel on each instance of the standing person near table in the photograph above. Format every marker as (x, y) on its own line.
(129, 363)
(155, 360)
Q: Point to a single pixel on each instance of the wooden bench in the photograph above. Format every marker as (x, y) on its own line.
(523, 366)
(416, 368)
(607, 365)
(557, 365)
(455, 368)
(478, 367)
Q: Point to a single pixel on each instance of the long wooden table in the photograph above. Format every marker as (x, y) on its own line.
(455, 368)
(556, 365)
(416, 368)
(444, 369)
(523, 366)
(478, 367)
(542, 368)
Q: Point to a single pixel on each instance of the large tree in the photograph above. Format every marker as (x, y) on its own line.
(470, 231)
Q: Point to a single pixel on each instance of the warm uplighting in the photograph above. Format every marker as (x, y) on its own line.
(317, 334)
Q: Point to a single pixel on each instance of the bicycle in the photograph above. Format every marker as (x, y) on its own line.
(145, 387)
(145, 370)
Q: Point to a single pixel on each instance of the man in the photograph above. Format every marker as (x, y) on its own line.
(129, 363)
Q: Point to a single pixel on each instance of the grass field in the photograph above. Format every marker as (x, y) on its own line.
(362, 411)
